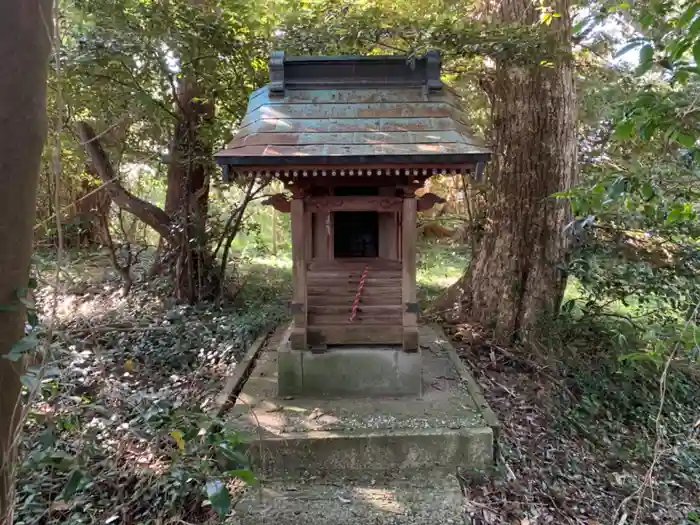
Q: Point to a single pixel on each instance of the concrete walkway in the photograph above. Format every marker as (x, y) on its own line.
(428, 500)
(383, 460)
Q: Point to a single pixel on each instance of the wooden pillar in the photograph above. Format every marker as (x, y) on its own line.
(308, 235)
(388, 235)
(299, 266)
(321, 236)
(408, 274)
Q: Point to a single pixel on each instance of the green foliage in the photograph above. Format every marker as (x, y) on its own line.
(123, 424)
(438, 266)
(157, 477)
(636, 234)
(612, 399)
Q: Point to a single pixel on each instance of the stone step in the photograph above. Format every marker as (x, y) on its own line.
(381, 451)
(431, 499)
(398, 412)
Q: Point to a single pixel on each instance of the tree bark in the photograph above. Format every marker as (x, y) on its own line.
(25, 44)
(187, 196)
(514, 280)
(149, 213)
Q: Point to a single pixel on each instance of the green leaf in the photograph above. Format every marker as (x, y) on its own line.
(677, 48)
(685, 140)
(647, 191)
(618, 188)
(76, 476)
(234, 457)
(562, 194)
(31, 382)
(219, 497)
(696, 52)
(21, 347)
(624, 129)
(243, 474)
(648, 129)
(646, 55)
(646, 19)
(28, 303)
(694, 28)
(582, 25)
(689, 13)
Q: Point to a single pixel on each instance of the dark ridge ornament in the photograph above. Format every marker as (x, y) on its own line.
(353, 72)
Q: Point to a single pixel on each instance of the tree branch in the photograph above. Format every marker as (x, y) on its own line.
(150, 214)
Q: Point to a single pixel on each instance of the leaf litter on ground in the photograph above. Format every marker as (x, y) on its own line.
(559, 462)
(126, 427)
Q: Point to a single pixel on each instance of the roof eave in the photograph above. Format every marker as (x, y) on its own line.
(262, 162)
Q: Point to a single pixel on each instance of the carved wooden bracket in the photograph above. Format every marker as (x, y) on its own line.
(279, 202)
(429, 200)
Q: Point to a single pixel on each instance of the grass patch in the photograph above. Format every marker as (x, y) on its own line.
(438, 266)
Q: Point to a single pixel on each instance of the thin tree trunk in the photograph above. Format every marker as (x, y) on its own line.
(25, 44)
(274, 231)
(514, 281)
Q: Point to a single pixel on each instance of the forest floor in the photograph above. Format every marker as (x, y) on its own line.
(123, 431)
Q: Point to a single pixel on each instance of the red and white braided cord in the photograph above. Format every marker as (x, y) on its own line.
(356, 302)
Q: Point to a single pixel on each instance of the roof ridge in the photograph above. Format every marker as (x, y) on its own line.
(354, 71)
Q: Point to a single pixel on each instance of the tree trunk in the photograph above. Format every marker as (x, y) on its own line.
(514, 280)
(187, 197)
(25, 44)
(149, 213)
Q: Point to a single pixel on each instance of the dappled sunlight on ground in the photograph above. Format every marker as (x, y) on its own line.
(129, 405)
(379, 498)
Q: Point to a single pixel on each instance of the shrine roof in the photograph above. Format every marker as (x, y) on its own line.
(355, 112)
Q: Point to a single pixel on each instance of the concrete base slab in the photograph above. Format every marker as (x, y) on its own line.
(348, 371)
(292, 434)
(409, 501)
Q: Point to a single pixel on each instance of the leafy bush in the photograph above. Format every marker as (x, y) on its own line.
(163, 462)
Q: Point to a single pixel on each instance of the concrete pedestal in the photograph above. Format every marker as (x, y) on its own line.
(360, 371)
(444, 428)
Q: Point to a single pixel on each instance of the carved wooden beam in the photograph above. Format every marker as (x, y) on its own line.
(279, 202)
(429, 200)
(354, 203)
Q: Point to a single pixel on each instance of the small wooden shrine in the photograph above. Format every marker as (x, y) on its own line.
(352, 139)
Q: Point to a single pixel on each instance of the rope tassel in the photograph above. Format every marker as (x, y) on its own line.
(356, 302)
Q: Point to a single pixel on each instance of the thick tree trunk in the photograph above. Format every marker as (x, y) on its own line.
(187, 197)
(514, 281)
(25, 44)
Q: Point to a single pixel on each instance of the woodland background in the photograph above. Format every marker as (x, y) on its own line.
(568, 276)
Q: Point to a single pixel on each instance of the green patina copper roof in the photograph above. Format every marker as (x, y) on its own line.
(353, 111)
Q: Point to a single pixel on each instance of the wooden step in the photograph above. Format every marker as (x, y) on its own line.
(380, 299)
(369, 281)
(355, 335)
(355, 264)
(363, 310)
(350, 291)
(361, 320)
(354, 275)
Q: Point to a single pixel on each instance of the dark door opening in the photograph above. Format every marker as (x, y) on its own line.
(356, 234)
